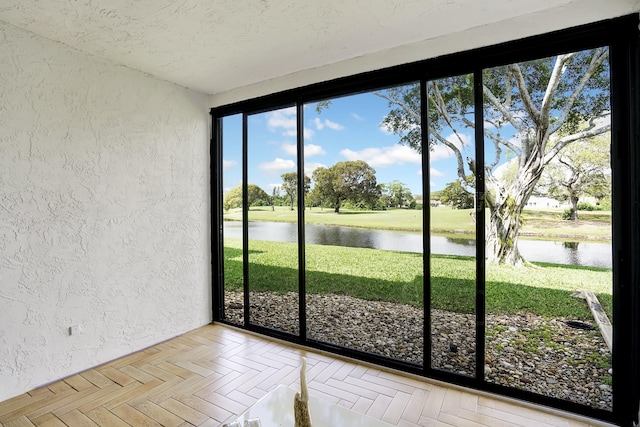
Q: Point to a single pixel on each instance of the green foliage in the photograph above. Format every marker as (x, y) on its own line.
(582, 168)
(353, 181)
(290, 185)
(397, 194)
(456, 196)
(398, 277)
(584, 206)
(256, 196)
(541, 104)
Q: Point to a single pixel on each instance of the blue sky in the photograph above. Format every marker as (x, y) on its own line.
(349, 129)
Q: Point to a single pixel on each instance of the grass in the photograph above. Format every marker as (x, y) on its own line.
(546, 223)
(398, 277)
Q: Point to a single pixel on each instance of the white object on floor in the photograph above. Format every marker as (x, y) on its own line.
(275, 410)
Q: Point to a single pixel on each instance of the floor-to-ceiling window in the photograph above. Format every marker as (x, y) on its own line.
(452, 156)
(363, 226)
(455, 219)
(232, 238)
(548, 195)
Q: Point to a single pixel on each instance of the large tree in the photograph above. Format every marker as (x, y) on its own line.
(532, 110)
(353, 181)
(396, 194)
(582, 168)
(456, 196)
(256, 196)
(290, 185)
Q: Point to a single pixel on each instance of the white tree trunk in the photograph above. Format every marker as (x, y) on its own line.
(505, 219)
(502, 234)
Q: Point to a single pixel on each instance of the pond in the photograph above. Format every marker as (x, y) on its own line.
(592, 254)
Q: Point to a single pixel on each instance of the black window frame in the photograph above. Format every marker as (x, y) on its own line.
(621, 36)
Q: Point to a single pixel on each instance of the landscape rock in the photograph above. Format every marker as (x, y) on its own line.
(558, 361)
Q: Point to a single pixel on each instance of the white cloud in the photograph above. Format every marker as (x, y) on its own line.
(284, 121)
(385, 128)
(327, 123)
(333, 125)
(290, 149)
(310, 150)
(272, 186)
(460, 140)
(440, 152)
(272, 168)
(384, 156)
(309, 167)
(432, 172)
(357, 117)
(435, 172)
(228, 164)
(308, 133)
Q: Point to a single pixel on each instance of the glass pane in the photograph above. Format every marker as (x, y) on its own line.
(549, 226)
(363, 226)
(452, 224)
(232, 205)
(273, 232)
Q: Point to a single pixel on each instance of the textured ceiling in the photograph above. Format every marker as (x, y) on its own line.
(217, 45)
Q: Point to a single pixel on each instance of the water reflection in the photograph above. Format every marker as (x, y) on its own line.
(573, 253)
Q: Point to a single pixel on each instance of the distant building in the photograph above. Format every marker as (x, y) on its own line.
(543, 202)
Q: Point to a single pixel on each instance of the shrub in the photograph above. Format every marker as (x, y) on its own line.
(583, 206)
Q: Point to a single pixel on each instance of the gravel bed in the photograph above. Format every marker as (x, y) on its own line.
(524, 351)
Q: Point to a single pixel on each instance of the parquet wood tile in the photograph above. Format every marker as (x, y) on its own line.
(21, 421)
(96, 378)
(215, 412)
(208, 376)
(48, 420)
(76, 418)
(134, 417)
(105, 418)
(185, 412)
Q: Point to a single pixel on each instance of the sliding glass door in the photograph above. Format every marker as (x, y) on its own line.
(549, 228)
(452, 229)
(363, 227)
(458, 222)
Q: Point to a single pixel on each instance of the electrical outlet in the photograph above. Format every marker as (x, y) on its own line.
(75, 329)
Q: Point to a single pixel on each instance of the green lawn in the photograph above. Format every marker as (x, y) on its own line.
(398, 276)
(444, 220)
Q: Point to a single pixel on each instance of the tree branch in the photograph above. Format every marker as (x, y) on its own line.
(516, 71)
(589, 132)
(505, 112)
(453, 148)
(442, 108)
(598, 58)
(501, 140)
(405, 107)
(554, 81)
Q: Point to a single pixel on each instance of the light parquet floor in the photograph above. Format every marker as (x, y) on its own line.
(205, 377)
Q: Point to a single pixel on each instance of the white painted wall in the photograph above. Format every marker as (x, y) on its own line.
(104, 211)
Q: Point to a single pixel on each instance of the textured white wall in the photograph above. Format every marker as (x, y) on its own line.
(479, 33)
(104, 210)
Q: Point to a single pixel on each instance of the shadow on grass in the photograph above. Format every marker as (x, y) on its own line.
(447, 293)
(331, 212)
